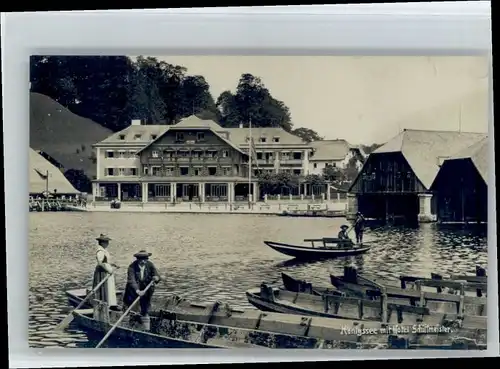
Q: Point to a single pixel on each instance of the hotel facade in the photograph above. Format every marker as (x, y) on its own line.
(195, 160)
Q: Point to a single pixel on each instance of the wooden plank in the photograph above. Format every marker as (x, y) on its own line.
(455, 284)
(470, 278)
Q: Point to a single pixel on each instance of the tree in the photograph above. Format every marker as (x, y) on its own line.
(274, 183)
(79, 180)
(253, 101)
(368, 149)
(307, 134)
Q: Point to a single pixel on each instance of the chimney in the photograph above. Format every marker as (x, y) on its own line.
(241, 125)
(135, 122)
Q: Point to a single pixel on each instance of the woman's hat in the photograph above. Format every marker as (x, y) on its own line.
(103, 237)
(142, 254)
(343, 226)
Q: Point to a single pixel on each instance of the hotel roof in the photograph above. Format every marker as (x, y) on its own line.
(424, 149)
(330, 150)
(143, 135)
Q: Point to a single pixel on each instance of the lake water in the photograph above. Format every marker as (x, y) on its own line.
(217, 257)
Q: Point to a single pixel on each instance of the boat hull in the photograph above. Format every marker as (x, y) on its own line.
(310, 253)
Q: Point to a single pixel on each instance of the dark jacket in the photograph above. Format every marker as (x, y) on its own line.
(134, 283)
(359, 226)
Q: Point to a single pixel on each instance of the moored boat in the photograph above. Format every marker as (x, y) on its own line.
(167, 330)
(350, 309)
(464, 303)
(329, 248)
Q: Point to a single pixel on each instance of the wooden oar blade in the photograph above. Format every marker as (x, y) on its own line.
(64, 324)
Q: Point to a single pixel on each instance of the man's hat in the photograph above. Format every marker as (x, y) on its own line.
(103, 237)
(343, 226)
(142, 254)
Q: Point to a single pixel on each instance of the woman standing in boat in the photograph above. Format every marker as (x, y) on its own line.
(107, 292)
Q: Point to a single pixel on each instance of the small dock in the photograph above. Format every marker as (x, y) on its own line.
(43, 205)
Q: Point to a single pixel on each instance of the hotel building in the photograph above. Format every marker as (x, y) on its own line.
(194, 160)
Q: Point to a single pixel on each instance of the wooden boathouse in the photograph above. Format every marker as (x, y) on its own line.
(395, 181)
(461, 186)
(47, 183)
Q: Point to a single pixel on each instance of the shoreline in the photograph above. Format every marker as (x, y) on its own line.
(306, 210)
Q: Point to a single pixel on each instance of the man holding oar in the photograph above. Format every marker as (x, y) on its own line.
(140, 274)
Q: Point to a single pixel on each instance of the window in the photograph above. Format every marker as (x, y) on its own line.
(212, 171)
(162, 190)
(122, 154)
(200, 136)
(121, 137)
(133, 171)
(211, 153)
(110, 154)
(197, 171)
(131, 153)
(276, 139)
(297, 155)
(297, 172)
(315, 165)
(179, 137)
(102, 191)
(153, 137)
(259, 156)
(146, 170)
(183, 153)
(263, 139)
(155, 154)
(184, 171)
(156, 171)
(225, 153)
(137, 137)
(197, 153)
(121, 171)
(110, 172)
(226, 171)
(285, 155)
(169, 171)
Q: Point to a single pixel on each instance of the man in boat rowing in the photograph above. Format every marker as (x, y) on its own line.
(359, 227)
(104, 268)
(140, 273)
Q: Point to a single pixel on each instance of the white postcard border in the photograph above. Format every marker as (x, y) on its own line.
(458, 28)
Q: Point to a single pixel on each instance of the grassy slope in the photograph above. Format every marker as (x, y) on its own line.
(60, 133)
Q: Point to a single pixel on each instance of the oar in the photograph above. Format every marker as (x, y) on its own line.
(123, 316)
(66, 321)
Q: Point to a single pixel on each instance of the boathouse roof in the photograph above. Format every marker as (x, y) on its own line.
(327, 150)
(425, 150)
(39, 166)
(478, 154)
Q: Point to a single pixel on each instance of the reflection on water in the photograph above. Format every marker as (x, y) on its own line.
(218, 257)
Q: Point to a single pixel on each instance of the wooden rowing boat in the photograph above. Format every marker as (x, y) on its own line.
(178, 309)
(354, 284)
(350, 309)
(329, 248)
(214, 328)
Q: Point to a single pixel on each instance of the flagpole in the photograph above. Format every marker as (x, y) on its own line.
(250, 160)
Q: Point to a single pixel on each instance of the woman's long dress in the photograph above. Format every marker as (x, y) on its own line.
(107, 292)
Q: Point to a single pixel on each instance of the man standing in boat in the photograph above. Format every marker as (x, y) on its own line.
(359, 227)
(140, 274)
(104, 269)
